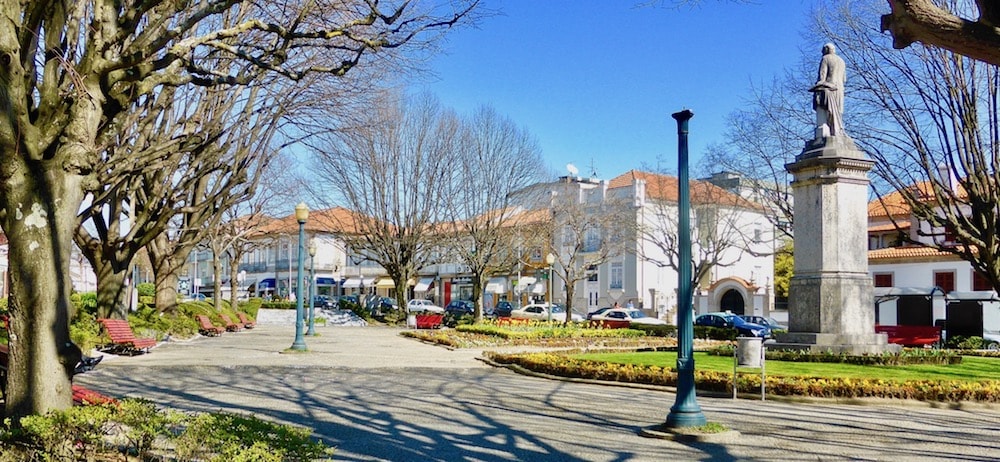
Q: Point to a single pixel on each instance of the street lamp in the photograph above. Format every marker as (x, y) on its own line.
(550, 259)
(312, 285)
(301, 215)
(685, 411)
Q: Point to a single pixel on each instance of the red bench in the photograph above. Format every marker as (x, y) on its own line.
(83, 396)
(205, 326)
(913, 336)
(230, 325)
(123, 340)
(429, 321)
(247, 322)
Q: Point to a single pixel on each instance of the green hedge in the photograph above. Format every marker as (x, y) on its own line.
(906, 357)
(923, 390)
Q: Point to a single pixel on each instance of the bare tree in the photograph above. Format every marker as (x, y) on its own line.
(965, 27)
(497, 158)
(392, 171)
(589, 226)
(71, 74)
(932, 130)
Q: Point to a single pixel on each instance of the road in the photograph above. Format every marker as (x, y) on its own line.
(378, 396)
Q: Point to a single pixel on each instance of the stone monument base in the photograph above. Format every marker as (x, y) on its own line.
(855, 344)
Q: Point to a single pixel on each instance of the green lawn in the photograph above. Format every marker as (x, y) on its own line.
(971, 368)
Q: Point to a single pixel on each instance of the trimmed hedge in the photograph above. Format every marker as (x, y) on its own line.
(906, 357)
(923, 390)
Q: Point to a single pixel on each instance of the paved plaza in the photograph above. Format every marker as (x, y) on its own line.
(375, 395)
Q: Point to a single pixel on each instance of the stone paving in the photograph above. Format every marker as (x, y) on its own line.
(378, 396)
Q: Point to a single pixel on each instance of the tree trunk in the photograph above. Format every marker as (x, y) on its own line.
(166, 291)
(216, 280)
(111, 290)
(41, 202)
(477, 294)
(570, 291)
(234, 283)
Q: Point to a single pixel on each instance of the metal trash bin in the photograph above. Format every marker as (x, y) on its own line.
(749, 352)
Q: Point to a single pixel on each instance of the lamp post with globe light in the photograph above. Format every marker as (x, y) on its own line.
(312, 285)
(301, 215)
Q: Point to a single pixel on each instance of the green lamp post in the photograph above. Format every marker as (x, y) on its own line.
(301, 215)
(685, 412)
(312, 285)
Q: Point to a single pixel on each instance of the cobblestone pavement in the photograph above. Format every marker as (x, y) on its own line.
(378, 396)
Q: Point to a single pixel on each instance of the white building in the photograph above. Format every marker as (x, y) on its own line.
(918, 285)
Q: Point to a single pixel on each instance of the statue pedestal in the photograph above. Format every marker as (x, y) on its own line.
(831, 307)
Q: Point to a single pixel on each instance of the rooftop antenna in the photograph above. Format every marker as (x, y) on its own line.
(593, 168)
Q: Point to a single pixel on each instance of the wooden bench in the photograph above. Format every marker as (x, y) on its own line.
(205, 326)
(123, 340)
(247, 322)
(84, 396)
(230, 325)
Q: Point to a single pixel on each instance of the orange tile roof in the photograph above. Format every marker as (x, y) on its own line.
(893, 204)
(335, 220)
(909, 252)
(888, 227)
(663, 187)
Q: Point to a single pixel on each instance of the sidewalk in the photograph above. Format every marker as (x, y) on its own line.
(378, 396)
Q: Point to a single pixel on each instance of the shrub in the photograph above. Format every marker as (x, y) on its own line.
(136, 427)
(924, 390)
(907, 356)
(251, 306)
(656, 330)
(85, 332)
(278, 305)
(965, 343)
(715, 333)
(146, 289)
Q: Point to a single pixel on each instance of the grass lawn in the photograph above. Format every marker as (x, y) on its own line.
(971, 368)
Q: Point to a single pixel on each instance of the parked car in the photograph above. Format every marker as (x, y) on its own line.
(724, 319)
(417, 305)
(503, 309)
(764, 321)
(378, 306)
(460, 307)
(324, 301)
(456, 309)
(540, 311)
(344, 300)
(634, 316)
(598, 312)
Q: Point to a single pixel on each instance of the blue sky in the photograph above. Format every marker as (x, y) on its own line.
(596, 80)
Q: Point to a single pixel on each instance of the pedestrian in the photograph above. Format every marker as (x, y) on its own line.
(630, 305)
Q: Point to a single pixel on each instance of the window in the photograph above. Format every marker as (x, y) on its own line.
(592, 240)
(945, 280)
(883, 280)
(979, 282)
(617, 275)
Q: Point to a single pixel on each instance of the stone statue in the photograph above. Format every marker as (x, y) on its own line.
(828, 94)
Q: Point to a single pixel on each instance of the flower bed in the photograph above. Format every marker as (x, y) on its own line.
(923, 390)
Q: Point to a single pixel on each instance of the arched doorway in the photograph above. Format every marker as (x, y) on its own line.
(732, 301)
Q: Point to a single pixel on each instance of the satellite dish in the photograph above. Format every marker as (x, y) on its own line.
(572, 169)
